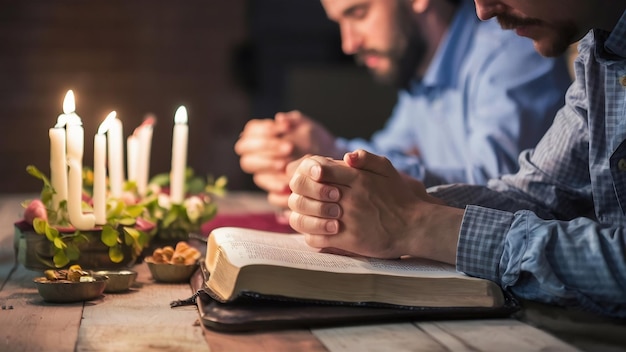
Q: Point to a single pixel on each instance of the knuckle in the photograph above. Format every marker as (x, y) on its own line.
(292, 201)
(297, 182)
(296, 220)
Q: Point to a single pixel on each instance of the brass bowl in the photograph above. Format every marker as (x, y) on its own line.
(64, 291)
(171, 273)
(119, 280)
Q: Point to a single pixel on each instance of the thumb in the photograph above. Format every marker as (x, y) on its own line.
(361, 159)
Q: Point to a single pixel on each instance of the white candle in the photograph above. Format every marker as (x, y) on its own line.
(75, 145)
(179, 156)
(58, 163)
(144, 135)
(116, 158)
(99, 170)
(132, 156)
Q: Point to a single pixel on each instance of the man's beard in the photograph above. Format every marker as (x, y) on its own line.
(564, 33)
(405, 54)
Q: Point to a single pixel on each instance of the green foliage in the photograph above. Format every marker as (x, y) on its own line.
(173, 221)
(119, 231)
(176, 221)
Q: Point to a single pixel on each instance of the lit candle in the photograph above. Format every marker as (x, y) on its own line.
(99, 170)
(144, 135)
(75, 146)
(116, 157)
(179, 156)
(58, 162)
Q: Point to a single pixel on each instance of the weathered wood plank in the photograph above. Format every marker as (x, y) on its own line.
(287, 340)
(492, 335)
(142, 320)
(30, 324)
(388, 337)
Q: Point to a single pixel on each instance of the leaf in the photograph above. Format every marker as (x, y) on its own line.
(217, 187)
(80, 238)
(115, 254)
(195, 185)
(130, 186)
(134, 211)
(72, 251)
(115, 207)
(161, 179)
(39, 225)
(143, 239)
(127, 221)
(51, 233)
(221, 182)
(109, 235)
(58, 243)
(60, 259)
(131, 235)
(34, 171)
(47, 189)
(171, 216)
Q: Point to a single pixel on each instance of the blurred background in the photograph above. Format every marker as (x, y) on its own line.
(226, 61)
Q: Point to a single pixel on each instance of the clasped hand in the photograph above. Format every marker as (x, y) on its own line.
(363, 205)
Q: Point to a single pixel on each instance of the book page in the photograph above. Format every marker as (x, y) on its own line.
(245, 247)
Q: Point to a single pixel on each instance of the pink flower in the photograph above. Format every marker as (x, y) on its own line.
(35, 209)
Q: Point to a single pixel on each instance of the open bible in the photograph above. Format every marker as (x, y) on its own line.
(250, 262)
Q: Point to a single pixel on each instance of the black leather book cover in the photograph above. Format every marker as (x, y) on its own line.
(252, 311)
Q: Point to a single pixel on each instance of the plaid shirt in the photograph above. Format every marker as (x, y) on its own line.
(559, 232)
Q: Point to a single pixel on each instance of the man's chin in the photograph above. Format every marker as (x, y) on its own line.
(385, 78)
(550, 49)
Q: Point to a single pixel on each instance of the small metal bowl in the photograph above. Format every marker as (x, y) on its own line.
(119, 280)
(64, 291)
(171, 273)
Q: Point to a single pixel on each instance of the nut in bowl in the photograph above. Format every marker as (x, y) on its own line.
(72, 285)
(173, 265)
(119, 280)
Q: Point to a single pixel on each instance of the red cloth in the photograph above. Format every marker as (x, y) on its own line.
(258, 221)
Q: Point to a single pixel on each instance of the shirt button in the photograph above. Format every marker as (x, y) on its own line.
(622, 81)
(621, 164)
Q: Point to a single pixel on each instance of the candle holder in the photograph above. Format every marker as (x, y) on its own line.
(45, 238)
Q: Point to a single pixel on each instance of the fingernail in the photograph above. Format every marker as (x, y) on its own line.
(315, 171)
(331, 226)
(333, 211)
(333, 194)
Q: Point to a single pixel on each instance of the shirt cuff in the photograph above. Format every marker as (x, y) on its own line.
(481, 242)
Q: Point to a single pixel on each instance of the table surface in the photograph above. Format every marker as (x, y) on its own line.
(142, 320)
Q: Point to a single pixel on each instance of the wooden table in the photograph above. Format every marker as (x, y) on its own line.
(141, 320)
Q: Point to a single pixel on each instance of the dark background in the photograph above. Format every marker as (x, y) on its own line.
(226, 61)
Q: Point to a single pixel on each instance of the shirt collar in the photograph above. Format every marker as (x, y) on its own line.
(616, 41)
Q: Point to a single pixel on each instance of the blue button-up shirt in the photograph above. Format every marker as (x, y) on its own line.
(569, 246)
(485, 97)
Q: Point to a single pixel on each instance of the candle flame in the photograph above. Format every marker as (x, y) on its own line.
(181, 115)
(69, 105)
(104, 126)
